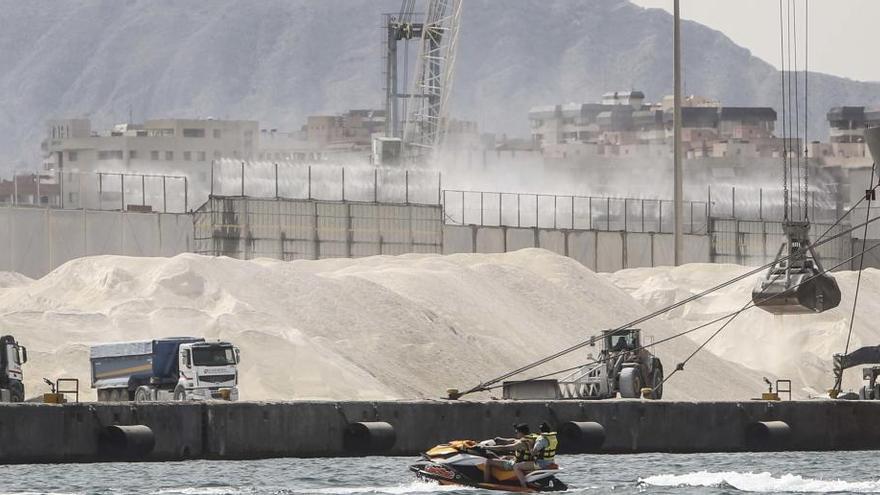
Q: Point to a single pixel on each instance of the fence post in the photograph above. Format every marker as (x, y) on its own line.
(660, 216)
(608, 214)
(276, 188)
(625, 213)
(37, 180)
(310, 183)
(185, 194)
(122, 191)
(733, 201)
(643, 214)
(376, 186)
(555, 211)
(709, 202)
(518, 223)
(590, 211)
(406, 187)
(439, 184)
(572, 213)
(463, 209)
(760, 203)
(61, 186)
(500, 196)
(343, 184)
(481, 207)
(692, 217)
(165, 196)
(242, 179)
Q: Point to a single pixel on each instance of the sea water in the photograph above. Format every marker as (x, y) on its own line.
(790, 472)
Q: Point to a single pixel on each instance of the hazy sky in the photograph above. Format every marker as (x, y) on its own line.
(841, 31)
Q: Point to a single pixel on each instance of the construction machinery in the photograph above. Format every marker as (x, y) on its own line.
(858, 357)
(12, 356)
(624, 366)
(798, 283)
(416, 118)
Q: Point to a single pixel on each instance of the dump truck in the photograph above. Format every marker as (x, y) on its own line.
(12, 356)
(624, 366)
(180, 368)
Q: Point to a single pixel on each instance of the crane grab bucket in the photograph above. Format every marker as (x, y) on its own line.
(796, 285)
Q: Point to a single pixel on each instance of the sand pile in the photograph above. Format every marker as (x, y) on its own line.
(796, 347)
(370, 328)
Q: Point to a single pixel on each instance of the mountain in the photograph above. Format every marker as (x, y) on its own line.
(280, 60)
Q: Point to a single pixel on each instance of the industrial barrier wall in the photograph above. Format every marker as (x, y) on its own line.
(599, 251)
(213, 430)
(246, 228)
(37, 240)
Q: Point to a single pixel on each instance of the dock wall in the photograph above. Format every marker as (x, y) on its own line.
(249, 430)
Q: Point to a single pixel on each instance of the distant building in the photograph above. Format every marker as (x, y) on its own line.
(31, 189)
(156, 146)
(623, 124)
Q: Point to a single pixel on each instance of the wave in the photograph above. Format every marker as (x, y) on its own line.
(414, 487)
(761, 482)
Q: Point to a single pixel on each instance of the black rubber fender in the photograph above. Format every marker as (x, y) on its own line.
(126, 441)
(767, 435)
(368, 437)
(577, 437)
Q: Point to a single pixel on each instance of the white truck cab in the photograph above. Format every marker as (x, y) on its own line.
(208, 370)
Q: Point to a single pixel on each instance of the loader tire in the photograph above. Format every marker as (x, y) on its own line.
(142, 394)
(179, 393)
(657, 381)
(630, 383)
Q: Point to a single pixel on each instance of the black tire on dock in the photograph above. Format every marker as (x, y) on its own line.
(577, 437)
(368, 437)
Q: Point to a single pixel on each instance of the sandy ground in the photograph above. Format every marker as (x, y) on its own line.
(398, 327)
(796, 347)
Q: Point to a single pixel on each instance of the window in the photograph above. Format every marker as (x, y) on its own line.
(154, 155)
(132, 154)
(187, 155)
(72, 156)
(194, 133)
(160, 132)
(169, 156)
(110, 155)
(201, 156)
(216, 133)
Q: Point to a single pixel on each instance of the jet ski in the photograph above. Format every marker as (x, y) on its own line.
(461, 462)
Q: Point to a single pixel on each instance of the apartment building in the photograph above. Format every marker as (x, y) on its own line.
(161, 146)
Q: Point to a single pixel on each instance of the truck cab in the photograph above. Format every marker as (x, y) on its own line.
(208, 370)
(12, 356)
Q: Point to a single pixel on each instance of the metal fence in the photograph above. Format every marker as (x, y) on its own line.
(247, 228)
(570, 212)
(756, 242)
(324, 182)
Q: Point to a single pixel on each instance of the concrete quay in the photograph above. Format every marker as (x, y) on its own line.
(87, 432)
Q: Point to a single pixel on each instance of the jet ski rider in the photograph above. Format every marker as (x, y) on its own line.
(545, 447)
(522, 447)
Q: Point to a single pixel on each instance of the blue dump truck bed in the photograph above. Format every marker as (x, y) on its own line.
(115, 365)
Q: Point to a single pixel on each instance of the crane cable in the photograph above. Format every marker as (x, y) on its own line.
(731, 315)
(486, 385)
(868, 197)
(785, 165)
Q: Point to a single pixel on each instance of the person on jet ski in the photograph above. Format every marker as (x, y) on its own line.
(523, 459)
(545, 447)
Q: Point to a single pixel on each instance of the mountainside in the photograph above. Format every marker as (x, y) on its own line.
(280, 60)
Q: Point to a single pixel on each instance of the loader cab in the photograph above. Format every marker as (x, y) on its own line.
(622, 340)
(13, 356)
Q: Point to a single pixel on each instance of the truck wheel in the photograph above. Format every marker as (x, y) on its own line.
(16, 393)
(630, 383)
(142, 394)
(179, 393)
